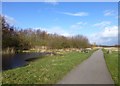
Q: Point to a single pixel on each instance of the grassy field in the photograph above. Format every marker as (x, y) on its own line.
(112, 63)
(47, 70)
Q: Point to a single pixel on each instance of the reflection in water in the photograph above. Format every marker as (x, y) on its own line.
(11, 61)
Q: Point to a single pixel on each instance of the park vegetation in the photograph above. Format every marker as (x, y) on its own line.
(25, 39)
(46, 70)
(112, 64)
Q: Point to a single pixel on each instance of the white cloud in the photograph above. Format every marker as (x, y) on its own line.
(55, 29)
(102, 24)
(78, 25)
(108, 36)
(81, 23)
(110, 32)
(53, 2)
(96, 38)
(10, 20)
(109, 13)
(58, 30)
(76, 14)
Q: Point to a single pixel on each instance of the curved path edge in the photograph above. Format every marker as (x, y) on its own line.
(91, 71)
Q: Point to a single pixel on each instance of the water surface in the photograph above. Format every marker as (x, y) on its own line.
(11, 61)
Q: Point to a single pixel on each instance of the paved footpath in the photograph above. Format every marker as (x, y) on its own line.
(91, 71)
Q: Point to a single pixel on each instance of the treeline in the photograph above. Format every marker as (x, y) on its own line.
(24, 39)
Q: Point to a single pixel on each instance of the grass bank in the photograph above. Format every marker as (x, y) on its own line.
(112, 63)
(47, 70)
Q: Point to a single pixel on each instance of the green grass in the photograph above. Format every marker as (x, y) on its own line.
(47, 70)
(112, 63)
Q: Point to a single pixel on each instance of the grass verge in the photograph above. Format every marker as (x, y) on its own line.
(112, 63)
(47, 70)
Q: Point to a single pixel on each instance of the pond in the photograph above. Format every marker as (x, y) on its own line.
(11, 61)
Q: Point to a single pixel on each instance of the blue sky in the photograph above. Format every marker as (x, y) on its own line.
(96, 20)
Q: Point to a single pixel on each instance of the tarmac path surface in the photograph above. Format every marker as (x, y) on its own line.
(92, 71)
